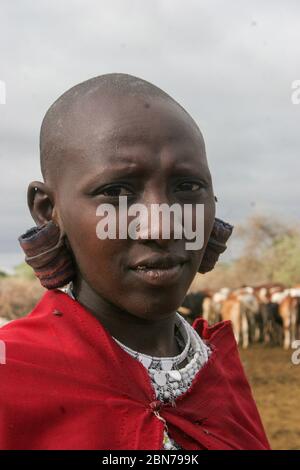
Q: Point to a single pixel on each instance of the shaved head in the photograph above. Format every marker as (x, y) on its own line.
(73, 114)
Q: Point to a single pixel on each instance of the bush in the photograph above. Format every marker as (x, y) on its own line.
(18, 296)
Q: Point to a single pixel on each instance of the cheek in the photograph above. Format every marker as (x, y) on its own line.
(95, 258)
(99, 259)
(102, 267)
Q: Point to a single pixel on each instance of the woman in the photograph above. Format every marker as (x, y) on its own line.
(108, 363)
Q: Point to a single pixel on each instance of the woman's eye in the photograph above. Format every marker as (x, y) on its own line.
(116, 191)
(189, 186)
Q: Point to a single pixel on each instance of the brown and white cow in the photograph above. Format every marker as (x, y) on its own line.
(233, 309)
(289, 310)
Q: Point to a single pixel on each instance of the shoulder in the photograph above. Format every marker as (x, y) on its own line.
(27, 328)
(220, 332)
(227, 376)
(56, 337)
(220, 338)
(27, 342)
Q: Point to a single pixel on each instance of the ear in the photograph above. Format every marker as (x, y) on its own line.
(40, 200)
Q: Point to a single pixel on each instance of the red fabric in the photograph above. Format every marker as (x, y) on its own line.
(67, 384)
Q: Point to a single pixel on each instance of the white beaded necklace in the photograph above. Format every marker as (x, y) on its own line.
(166, 363)
(170, 381)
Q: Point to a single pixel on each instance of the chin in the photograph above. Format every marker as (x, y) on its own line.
(157, 305)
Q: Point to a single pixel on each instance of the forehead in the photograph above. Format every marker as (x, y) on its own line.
(132, 131)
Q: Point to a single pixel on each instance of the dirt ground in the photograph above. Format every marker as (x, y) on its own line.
(275, 382)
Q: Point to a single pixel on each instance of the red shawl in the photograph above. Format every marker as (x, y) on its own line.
(67, 384)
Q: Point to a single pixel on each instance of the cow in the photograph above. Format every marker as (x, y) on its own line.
(269, 318)
(289, 311)
(234, 310)
(191, 307)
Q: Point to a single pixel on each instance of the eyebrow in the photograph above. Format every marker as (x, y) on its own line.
(132, 169)
(124, 170)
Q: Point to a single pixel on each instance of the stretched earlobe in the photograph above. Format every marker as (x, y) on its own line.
(46, 252)
(220, 234)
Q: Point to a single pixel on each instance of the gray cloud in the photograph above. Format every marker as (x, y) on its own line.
(230, 64)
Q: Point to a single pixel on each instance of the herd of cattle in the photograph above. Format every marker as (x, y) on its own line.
(269, 313)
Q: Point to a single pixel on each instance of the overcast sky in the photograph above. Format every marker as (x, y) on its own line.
(230, 63)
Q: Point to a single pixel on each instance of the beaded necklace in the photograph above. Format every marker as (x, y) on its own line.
(168, 379)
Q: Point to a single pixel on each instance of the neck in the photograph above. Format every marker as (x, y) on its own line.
(152, 337)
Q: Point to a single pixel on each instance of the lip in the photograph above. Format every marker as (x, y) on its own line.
(158, 261)
(159, 270)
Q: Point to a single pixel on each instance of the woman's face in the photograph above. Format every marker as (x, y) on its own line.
(152, 152)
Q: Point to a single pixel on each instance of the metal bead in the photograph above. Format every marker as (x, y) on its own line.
(160, 378)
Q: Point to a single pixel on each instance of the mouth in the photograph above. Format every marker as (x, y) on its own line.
(159, 270)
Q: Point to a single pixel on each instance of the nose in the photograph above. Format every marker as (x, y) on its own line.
(161, 220)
